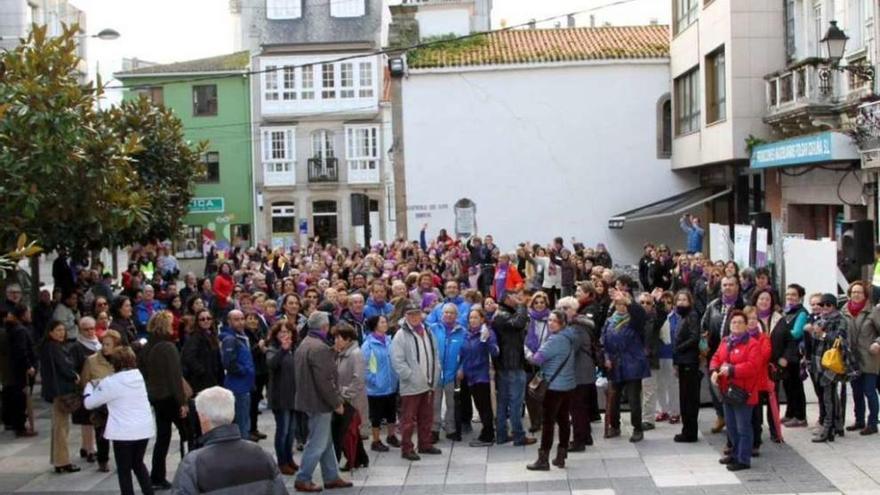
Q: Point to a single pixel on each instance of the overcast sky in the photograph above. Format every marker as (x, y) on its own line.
(174, 30)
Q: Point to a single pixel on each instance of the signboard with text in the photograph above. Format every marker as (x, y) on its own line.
(817, 148)
(207, 205)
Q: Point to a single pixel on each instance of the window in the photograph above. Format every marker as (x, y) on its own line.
(211, 160)
(716, 87)
(818, 30)
(278, 155)
(790, 46)
(685, 12)
(322, 144)
(283, 9)
(205, 100)
(664, 127)
(347, 8)
(362, 151)
(346, 80)
(155, 94)
(271, 82)
(283, 217)
(308, 82)
(241, 233)
(324, 208)
(366, 80)
(328, 78)
(289, 83)
(189, 244)
(687, 102)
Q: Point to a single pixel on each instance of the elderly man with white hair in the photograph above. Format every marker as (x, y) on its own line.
(450, 336)
(317, 395)
(225, 463)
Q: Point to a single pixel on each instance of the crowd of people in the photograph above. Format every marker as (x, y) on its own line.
(409, 339)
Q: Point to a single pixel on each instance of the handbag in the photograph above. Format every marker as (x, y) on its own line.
(736, 395)
(833, 360)
(538, 385)
(70, 403)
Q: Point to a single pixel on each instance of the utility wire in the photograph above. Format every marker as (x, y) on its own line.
(383, 51)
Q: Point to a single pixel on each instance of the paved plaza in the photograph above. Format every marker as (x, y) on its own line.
(850, 465)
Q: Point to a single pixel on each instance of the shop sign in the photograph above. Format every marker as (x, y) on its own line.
(817, 148)
(207, 205)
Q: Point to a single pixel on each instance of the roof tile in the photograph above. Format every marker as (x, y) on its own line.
(237, 61)
(523, 46)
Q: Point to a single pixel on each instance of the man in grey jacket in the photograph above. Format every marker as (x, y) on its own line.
(317, 395)
(225, 464)
(416, 360)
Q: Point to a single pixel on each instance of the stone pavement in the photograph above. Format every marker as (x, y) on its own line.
(657, 465)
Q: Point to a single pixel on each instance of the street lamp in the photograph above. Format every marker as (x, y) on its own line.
(835, 44)
(106, 35)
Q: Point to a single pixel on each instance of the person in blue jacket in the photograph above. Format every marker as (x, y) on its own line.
(145, 309)
(377, 303)
(626, 364)
(239, 365)
(381, 381)
(452, 295)
(691, 227)
(557, 360)
(480, 346)
(450, 339)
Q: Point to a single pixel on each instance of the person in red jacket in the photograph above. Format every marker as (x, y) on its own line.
(757, 331)
(736, 370)
(507, 278)
(222, 288)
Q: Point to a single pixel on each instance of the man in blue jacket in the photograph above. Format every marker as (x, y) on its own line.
(239, 365)
(453, 296)
(450, 339)
(377, 304)
(691, 226)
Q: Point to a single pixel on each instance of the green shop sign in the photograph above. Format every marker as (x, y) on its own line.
(206, 205)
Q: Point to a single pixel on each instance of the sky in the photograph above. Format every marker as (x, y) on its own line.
(167, 31)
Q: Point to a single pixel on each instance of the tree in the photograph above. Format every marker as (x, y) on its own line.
(166, 164)
(65, 178)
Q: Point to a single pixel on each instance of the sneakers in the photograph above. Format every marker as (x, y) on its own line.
(392, 441)
(379, 447)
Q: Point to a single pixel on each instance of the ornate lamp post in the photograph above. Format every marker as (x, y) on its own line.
(835, 43)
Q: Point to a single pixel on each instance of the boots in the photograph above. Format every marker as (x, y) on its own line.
(827, 435)
(719, 425)
(542, 464)
(561, 454)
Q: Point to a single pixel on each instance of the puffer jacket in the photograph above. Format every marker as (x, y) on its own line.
(585, 366)
(624, 346)
(237, 361)
(557, 357)
(475, 356)
(436, 315)
(748, 372)
(407, 357)
(381, 378)
(228, 465)
(686, 346)
(449, 343)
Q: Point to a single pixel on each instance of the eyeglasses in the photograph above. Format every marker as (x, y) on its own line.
(826, 305)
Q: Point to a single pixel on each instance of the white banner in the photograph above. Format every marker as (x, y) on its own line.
(761, 251)
(742, 240)
(720, 246)
(812, 264)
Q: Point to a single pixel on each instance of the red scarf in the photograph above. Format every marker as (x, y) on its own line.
(856, 308)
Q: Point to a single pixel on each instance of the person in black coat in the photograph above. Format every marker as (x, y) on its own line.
(22, 366)
(686, 358)
(510, 323)
(201, 365)
(58, 380)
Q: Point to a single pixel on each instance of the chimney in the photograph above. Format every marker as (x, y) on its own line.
(570, 20)
(533, 24)
(592, 21)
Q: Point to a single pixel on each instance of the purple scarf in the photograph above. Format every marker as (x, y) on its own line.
(533, 340)
(380, 337)
(419, 329)
(765, 314)
(501, 281)
(728, 301)
(735, 340)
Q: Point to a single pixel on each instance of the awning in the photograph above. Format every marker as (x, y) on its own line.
(672, 206)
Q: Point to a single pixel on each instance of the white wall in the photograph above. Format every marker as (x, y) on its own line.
(441, 21)
(542, 151)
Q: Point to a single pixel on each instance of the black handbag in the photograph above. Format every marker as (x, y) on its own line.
(736, 396)
(538, 385)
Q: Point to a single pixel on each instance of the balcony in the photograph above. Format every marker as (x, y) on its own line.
(797, 96)
(363, 171)
(323, 170)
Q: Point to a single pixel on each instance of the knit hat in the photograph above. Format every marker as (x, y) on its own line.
(829, 299)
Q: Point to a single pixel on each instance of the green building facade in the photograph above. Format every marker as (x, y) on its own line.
(212, 99)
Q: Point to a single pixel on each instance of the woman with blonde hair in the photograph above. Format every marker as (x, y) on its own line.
(160, 365)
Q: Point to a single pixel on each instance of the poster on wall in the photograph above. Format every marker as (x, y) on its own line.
(720, 246)
(742, 241)
(761, 249)
(812, 264)
(465, 218)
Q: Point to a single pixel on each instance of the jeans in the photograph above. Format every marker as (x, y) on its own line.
(243, 414)
(865, 388)
(129, 455)
(511, 386)
(556, 408)
(285, 421)
(319, 449)
(167, 413)
(739, 431)
(649, 397)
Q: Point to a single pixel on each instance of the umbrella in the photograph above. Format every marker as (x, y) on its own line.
(774, 411)
(352, 437)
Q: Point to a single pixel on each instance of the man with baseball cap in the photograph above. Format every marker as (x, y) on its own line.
(415, 359)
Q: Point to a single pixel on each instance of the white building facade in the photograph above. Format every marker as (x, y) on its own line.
(527, 148)
(17, 17)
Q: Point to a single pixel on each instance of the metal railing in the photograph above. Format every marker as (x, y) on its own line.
(323, 170)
